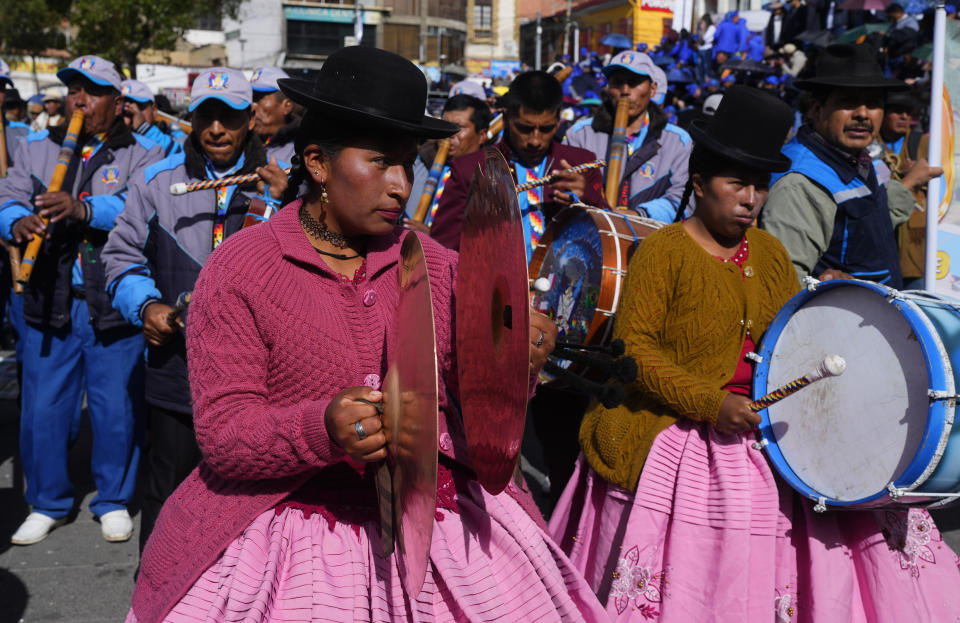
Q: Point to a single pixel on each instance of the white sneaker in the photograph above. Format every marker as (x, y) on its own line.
(35, 528)
(116, 526)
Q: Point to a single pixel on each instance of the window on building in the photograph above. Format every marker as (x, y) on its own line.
(482, 19)
(322, 38)
(211, 21)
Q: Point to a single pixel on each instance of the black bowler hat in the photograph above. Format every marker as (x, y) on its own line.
(849, 65)
(749, 127)
(372, 87)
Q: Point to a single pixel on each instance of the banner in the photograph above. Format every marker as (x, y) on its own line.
(948, 238)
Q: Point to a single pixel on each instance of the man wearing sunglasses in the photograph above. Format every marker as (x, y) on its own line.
(532, 116)
(158, 247)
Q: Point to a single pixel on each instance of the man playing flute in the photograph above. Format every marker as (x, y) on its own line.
(73, 340)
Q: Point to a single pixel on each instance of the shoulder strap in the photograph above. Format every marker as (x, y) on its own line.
(913, 144)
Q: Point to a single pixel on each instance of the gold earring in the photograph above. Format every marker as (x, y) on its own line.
(316, 172)
(323, 193)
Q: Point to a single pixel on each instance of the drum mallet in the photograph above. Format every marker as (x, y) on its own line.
(832, 365)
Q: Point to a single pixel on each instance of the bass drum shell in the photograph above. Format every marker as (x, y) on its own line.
(845, 441)
(584, 254)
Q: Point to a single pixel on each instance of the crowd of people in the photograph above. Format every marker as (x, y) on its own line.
(233, 374)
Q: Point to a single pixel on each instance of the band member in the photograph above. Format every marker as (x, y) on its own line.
(157, 249)
(532, 115)
(654, 171)
(287, 332)
(829, 210)
(673, 515)
(13, 131)
(140, 113)
(74, 342)
(274, 120)
(473, 117)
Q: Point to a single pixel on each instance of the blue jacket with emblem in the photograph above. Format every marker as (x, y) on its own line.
(158, 247)
(863, 242)
(102, 184)
(654, 175)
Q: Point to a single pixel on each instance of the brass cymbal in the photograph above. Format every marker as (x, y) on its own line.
(493, 323)
(410, 417)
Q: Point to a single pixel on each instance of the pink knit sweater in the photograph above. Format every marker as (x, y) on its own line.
(273, 335)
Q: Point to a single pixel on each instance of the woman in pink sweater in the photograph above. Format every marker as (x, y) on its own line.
(289, 325)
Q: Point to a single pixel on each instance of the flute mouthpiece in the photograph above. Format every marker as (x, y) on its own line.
(180, 188)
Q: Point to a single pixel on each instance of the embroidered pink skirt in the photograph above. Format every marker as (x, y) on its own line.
(490, 562)
(712, 535)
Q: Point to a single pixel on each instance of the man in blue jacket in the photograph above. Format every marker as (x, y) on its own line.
(158, 247)
(74, 342)
(140, 113)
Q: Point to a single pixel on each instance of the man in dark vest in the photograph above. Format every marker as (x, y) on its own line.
(828, 209)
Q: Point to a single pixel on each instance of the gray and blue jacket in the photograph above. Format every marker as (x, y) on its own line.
(13, 133)
(102, 183)
(654, 174)
(156, 134)
(158, 247)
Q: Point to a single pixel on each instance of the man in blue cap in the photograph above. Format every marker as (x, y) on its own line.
(273, 112)
(74, 342)
(158, 247)
(654, 174)
(13, 131)
(140, 113)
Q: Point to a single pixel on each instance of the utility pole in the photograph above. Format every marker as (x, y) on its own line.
(566, 28)
(539, 43)
(576, 42)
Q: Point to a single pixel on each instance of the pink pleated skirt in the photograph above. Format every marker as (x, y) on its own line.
(489, 562)
(712, 535)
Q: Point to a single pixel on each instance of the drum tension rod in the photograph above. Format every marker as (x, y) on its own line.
(898, 492)
(939, 394)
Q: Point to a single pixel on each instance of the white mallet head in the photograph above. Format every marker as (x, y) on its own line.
(542, 285)
(833, 365)
(180, 188)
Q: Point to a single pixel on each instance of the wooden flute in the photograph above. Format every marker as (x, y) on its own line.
(430, 186)
(618, 152)
(59, 173)
(12, 249)
(185, 126)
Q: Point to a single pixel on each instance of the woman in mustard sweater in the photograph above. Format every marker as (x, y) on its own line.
(671, 514)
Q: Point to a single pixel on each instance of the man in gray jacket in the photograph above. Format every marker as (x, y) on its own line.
(654, 173)
(158, 248)
(74, 342)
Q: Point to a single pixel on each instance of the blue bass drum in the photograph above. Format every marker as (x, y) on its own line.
(882, 433)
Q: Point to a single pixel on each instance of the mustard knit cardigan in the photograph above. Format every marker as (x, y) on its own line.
(683, 316)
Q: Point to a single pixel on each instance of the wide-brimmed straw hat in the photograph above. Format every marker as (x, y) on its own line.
(749, 128)
(371, 87)
(849, 65)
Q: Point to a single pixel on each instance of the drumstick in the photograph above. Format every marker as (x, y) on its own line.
(182, 188)
(59, 172)
(496, 126)
(549, 179)
(183, 301)
(832, 365)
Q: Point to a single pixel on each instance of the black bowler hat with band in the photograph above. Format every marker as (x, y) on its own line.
(748, 128)
(850, 65)
(370, 87)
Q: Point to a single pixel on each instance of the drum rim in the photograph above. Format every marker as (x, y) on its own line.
(939, 413)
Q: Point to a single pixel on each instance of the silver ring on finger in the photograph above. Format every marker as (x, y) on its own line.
(358, 426)
(540, 340)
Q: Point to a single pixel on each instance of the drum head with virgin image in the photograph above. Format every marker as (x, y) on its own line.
(848, 437)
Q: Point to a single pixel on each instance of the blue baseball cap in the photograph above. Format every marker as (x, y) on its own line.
(774, 80)
(264, 79)
(136, 91)
(95, 69)
(637, 62)
(228, 85)
(5, 72)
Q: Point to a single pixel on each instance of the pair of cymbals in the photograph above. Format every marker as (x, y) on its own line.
(493, 327)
